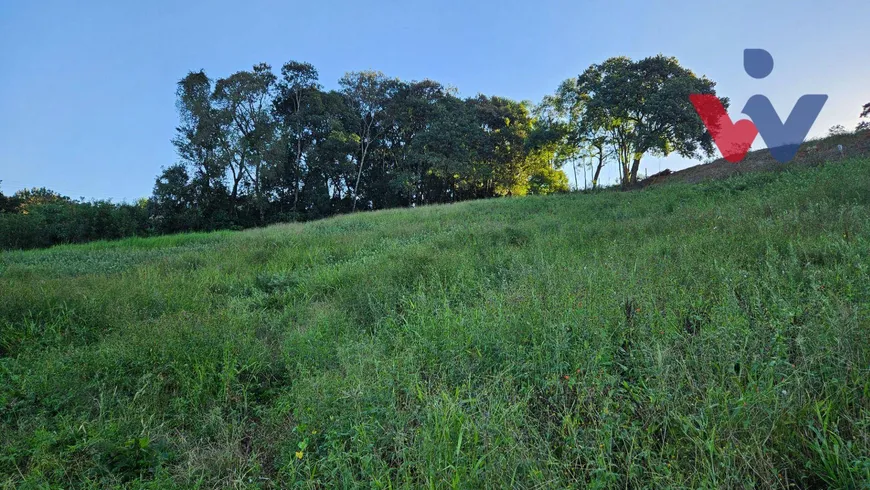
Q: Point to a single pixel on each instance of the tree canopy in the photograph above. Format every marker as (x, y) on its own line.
(638, 108)
(256, 147)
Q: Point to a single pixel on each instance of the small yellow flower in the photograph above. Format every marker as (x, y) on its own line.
(299, 454)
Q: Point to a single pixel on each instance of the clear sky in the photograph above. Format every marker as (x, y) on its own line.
(87, 88)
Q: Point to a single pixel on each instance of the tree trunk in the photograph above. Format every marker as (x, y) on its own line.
(598, 167)
(362, 162)
(235, 190)
(365, 143)
(237, 178)
(634, 168)
(597, 174)
(296, 172)
(259, 189)
(577, 182)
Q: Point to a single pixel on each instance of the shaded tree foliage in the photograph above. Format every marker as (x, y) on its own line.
(256, 148)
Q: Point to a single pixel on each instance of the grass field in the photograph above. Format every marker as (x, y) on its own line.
(683, 336)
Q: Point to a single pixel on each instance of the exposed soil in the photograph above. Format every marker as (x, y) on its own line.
(811, 153)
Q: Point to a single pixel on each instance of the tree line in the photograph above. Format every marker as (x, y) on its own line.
(260, 147)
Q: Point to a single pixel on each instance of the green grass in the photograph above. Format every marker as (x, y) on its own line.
(706, 336)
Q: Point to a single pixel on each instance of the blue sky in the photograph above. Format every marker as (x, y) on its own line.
(87, 89)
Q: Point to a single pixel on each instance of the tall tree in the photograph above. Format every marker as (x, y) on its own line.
(367, 93)
(298, 107)
(643, 107)
(447, 150)
(197, 143)
(330, 166)
(409, 112)
(243, 108)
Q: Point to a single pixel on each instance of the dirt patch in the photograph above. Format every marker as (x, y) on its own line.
(813, 152)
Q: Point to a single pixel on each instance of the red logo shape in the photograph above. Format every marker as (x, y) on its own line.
(732, 139)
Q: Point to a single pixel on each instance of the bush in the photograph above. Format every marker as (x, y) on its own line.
(49, 223)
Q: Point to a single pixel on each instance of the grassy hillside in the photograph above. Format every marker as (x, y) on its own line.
(713, 335)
